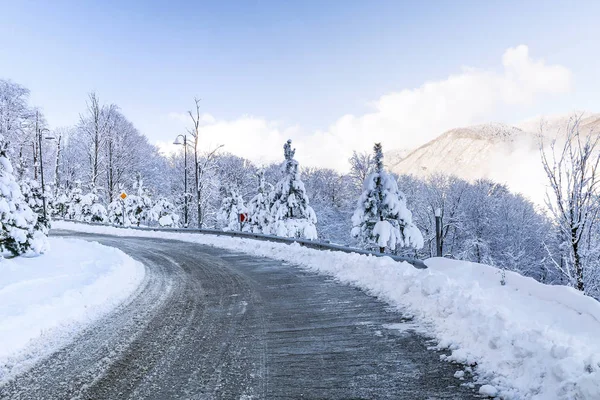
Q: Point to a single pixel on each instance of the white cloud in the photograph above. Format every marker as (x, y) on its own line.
(404, 119)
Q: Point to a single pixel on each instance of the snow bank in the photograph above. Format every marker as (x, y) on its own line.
(524, 340)
(46, 300)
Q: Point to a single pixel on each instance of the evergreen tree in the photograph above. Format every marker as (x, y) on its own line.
(115, 213)
(381, 219)
(32, 193)
(291, 213)
(19, 229)
(74, 207)
(259, 216)
(138, 206)
(232, 205)
(61, 204)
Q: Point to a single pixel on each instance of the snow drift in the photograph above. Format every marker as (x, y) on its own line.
(45, 301)
(522, 340)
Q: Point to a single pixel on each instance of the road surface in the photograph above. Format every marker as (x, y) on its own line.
(209, 323)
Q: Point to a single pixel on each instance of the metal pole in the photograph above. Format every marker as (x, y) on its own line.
(185, 180)
(42, 175)
(438, 232)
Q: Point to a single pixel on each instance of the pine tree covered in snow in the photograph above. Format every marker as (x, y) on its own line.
(74, 207)
(291, 213)
(32, 193)
(138, 207)
(232, 205)
(381, 219)
(164, 213)
(61, 204)
(19, 231)
(115, 213)
(259, 215)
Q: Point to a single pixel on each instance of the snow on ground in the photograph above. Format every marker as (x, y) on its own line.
(46, 300)
(523, 340)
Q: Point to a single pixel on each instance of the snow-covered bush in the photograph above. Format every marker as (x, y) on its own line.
(291, 213)
(164, 213)
(259, 207)
(381, 219)
(91, 209)
(232, 205)
(19, 229)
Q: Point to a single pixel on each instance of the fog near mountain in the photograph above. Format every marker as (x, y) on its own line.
(504, 153)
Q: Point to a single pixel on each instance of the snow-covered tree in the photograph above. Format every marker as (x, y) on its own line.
(232, 205)
(61, 204)
(291, 213)
(381, 219)
(164, 213)
(32, 193)
(259, 207)
(91, 209)
(571, 165)
(115, 213)
(19, 229)
(138, 206)
(74, 207)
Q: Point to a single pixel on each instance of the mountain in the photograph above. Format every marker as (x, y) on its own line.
(469, 153)
(503, 153)
(557, 125)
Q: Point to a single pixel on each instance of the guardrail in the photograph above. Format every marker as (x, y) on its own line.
(312, 244)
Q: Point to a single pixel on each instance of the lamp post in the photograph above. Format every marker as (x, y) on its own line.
(39, 134)
(185, 196)
(438, 232)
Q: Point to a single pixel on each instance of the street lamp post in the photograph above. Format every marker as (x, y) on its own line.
(185, 196)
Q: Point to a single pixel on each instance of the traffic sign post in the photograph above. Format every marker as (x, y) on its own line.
(242, 217)
(123, 196)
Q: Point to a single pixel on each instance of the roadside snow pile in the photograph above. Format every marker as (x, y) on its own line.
(45, 301)
(524, 340)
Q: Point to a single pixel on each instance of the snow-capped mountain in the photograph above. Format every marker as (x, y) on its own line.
(470, 153)
(503, 153)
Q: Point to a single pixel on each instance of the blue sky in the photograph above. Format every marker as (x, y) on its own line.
(298, 67)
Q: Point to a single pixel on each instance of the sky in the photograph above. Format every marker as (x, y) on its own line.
(334, 76)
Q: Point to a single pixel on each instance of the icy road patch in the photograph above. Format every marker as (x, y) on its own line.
(46, 300)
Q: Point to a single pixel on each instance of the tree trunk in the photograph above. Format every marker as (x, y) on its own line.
(577, 260)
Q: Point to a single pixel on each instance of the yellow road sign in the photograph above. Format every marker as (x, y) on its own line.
(123, 195)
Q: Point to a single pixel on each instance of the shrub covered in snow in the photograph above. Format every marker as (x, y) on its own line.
(91, 209)
(232, 204)
(291, 213)
(164, 213)
(19, 229)
(259, 216)
(381, 219)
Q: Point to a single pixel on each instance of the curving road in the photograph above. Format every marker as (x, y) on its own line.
(208, 323)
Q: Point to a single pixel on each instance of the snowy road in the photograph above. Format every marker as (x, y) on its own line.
(210, 323)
